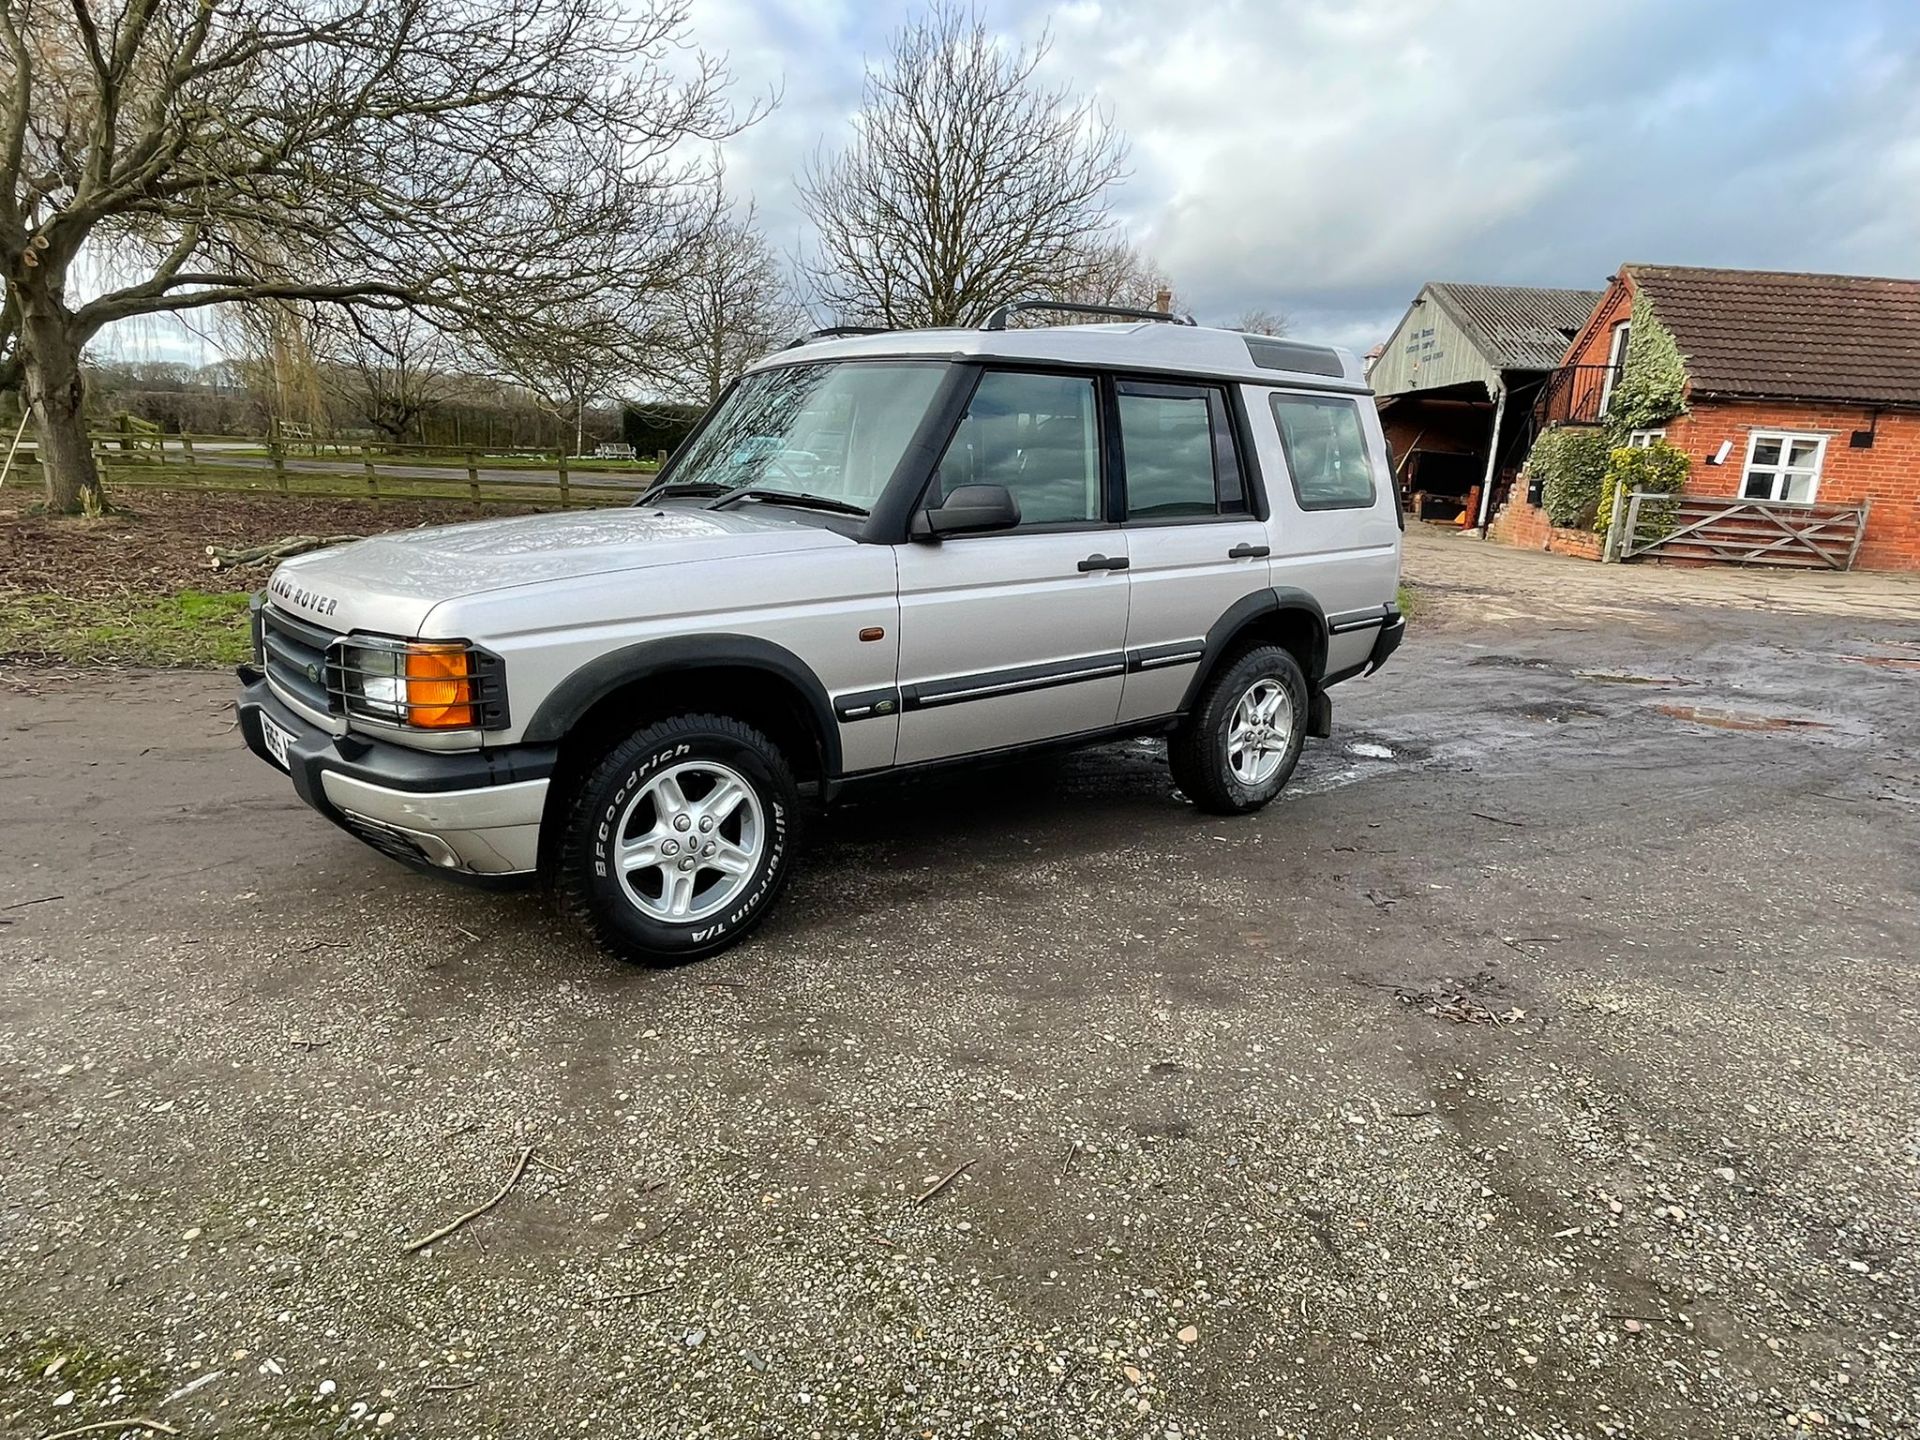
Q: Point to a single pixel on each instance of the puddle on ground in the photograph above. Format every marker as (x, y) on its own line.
(1621, 677)
(1556, 712)
(1887, 662)
(1367, 750)
(1737, 720)
(1516, 662)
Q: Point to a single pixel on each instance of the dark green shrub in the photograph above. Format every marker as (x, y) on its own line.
(1571, 462)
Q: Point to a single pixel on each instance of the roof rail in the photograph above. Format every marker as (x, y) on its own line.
(998, 319)
(833, 331)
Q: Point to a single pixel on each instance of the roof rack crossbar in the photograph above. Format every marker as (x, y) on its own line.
(998, 319)
(831, 332)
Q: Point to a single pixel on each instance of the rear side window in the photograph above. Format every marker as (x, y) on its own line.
(1177, 448)
(1326, 451)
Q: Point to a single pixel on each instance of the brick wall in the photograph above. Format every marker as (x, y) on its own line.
(1888, 475)
(1518, 523)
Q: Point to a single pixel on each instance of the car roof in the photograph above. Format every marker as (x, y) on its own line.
(1138, 346)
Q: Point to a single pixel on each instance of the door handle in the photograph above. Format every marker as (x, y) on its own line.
(1101, 562)
(1249, 552)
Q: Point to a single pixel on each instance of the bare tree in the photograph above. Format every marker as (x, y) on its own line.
(1119, 273)
(392, 369)
(569, 356)
(1262, 321)
(967, 182)
(733, 307)
(464, 156)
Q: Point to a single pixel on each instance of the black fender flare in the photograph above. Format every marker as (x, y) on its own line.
(601, 676)
(1248, 610)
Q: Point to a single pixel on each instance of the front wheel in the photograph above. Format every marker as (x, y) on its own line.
(1240, 744)
(680, 839)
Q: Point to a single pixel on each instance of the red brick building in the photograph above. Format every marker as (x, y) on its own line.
(1798, 388)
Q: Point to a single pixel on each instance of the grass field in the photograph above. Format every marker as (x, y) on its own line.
(191, 628)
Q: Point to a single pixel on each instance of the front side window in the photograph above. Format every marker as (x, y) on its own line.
(1178, 451)
(835, 430)
(1783, 467)
(1326, 451)
(1038, 435)
(1642, 439)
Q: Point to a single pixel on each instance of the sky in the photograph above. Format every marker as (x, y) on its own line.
(1326, 158)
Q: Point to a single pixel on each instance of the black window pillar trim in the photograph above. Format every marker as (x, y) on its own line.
(902, 496)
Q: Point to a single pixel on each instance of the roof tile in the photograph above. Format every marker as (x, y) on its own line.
(1851, 338)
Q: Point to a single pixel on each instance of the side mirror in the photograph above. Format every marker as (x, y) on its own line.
(969, 510)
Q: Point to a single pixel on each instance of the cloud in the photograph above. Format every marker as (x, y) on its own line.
(1327, 157)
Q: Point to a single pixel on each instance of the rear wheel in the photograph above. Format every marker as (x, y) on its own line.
(680, 839)
(1238, 748)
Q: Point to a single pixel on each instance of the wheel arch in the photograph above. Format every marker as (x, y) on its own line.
(1282, 615)
(755, 681)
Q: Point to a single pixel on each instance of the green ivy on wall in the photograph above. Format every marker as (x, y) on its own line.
(1652, 386)
(1570, 461)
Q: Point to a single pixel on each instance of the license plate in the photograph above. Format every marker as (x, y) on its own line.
(277, 742)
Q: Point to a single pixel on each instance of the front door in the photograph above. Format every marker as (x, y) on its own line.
(1018, 635)
(1195, 544)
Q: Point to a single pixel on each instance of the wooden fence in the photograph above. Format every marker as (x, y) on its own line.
(1739, 531)
(320, 469)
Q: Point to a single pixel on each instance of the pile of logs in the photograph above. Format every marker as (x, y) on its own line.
(227, 557)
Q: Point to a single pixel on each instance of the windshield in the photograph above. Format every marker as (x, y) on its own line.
(834, 430)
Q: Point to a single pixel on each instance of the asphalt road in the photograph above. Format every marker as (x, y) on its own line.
(1547, 1063)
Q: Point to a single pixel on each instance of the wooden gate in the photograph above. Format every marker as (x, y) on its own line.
(1741, 532)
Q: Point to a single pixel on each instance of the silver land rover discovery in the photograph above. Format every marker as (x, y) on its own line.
(879, 552)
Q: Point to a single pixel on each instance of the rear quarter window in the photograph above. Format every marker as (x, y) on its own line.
(1326, 451)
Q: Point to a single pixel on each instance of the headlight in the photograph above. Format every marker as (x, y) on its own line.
(421, 684)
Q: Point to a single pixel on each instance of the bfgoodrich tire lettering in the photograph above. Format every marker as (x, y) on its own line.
(652, 907)
(1227, 758)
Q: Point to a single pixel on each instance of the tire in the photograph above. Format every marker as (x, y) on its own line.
(655, 909)
(1198, 751)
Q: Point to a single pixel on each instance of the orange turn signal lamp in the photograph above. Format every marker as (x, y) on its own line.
(442, 690)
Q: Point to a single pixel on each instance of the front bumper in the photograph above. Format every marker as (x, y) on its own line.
(473, 812)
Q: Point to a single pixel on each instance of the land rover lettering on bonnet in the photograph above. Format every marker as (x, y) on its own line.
(878, 553)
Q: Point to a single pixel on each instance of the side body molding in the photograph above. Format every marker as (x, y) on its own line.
(600, 677)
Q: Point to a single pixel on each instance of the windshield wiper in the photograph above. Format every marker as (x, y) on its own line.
(681, 487)
(788, 497)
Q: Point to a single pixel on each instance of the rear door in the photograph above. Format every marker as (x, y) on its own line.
(1194, 537)
(1336, 515)
(1018, 635)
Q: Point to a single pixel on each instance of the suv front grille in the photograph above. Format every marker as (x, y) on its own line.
(294, 654)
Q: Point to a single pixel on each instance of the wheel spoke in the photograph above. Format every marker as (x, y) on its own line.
(721, 801)
(642, 853)
(668, 798)
(676, 896)
(730, 859)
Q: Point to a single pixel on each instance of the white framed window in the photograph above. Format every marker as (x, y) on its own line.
(1641, 439)
(1783, 465)
(1616, 357)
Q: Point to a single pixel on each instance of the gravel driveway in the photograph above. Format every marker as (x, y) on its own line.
(1546, 1063)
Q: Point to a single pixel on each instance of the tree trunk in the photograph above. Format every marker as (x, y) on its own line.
(56, 392)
